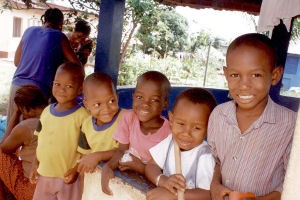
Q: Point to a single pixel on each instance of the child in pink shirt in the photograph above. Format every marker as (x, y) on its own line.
(141, 128)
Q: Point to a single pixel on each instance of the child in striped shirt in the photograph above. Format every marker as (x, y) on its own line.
(250, 137)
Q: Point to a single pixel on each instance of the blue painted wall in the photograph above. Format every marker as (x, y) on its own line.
(291, 72)
(221, 96)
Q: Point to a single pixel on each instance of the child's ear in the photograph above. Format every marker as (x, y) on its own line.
(85, 104)
(276, 74)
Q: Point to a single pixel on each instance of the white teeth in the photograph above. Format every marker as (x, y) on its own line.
(144, 112)
(246, 97)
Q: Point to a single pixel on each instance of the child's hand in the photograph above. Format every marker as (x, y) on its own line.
(160, 193)
(235, 195)
(173, 183)
(87, 163)
(71, 175)
(107, 174)
(135, 165)
(33, 175)
(218, 191)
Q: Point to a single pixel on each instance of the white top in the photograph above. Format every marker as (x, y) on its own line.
(197, 164)
(272, 11)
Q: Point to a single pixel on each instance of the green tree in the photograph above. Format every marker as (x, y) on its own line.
(166, 32)
(296, 29)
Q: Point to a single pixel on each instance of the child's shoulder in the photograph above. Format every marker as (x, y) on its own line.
(225, 108)
(128, 114)
(282, 113)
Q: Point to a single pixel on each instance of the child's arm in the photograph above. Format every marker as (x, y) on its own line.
(107, 170)
(153, 172)
(71, 175)
(275, 195)
(217, 190)
(135, 165)
(15, 139)
(172, 183)
(33, 176)
(89, 162)
(13, 122)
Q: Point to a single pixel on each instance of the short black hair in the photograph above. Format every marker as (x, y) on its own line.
(197, 96)
(76, 70)
(99, 78)
(83, 27)
(258, 41)
(53, 16)
(30, 97)
(157, 77)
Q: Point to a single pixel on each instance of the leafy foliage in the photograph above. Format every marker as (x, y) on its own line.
(164, 33)
(296, 29)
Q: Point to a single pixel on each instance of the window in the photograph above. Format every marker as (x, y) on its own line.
(17, 25)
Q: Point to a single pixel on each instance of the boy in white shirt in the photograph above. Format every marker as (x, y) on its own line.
(188, 121)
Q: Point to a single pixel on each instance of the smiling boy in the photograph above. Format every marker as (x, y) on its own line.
(188, 122)
(250, 137)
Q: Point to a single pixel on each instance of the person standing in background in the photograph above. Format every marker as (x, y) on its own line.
(41, 50)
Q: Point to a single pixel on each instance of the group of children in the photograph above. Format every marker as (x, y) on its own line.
(248, 139)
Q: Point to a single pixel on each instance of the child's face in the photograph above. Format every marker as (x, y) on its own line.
(148, 100)
(65, 87)
(189, 123)
(32, 112)
(101, 101)
(250, 75)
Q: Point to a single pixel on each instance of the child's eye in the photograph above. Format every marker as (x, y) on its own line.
(138, 97)
(234, 75)
(69, 86)
(111, 101)
(97, 105)
(198, 128)
(155, 100)
(180, 123)
(56, 84)
(256, 75)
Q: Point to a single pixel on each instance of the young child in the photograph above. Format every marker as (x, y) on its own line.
(140, 128)
(58, 135)
(14, 171)
(250, 137)
(95, 141)
(188, 121)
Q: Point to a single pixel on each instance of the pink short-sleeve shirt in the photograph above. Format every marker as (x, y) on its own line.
(129, 132)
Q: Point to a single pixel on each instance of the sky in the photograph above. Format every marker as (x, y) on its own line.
(224, 24)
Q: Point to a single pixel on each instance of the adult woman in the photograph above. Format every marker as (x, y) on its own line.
(14, 172)
(41, 50)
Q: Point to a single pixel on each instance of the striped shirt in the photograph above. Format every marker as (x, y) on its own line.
(256, 160)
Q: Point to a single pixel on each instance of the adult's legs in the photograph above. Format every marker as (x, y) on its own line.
(10, 108)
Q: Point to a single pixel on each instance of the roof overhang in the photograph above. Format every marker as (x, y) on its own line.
(249, 6)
